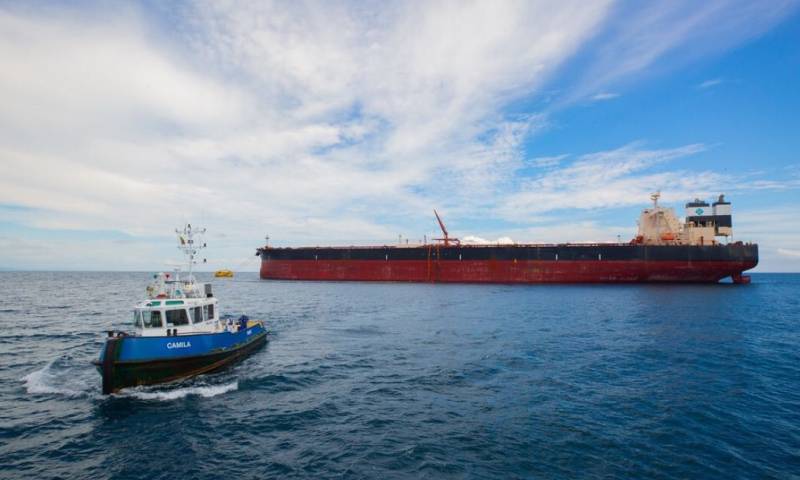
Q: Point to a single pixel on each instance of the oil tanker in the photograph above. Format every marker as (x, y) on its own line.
(698, 250)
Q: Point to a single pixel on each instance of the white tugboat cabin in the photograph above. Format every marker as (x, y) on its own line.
(177, 306)
(180, 306)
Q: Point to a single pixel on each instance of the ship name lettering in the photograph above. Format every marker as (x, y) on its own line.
(172, 345)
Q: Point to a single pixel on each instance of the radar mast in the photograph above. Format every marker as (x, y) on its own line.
(190, 246)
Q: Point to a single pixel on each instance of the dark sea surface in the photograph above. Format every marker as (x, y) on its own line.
(375, 380)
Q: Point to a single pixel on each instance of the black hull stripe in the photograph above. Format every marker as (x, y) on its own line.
(736, 252)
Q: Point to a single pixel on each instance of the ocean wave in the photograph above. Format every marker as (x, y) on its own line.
(175, 394)
(48, 381)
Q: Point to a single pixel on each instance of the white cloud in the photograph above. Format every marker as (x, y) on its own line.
(648, 38)
(710, 83)
(605, 96)
(788, 182)
(269, 115)
(319, 123)
(72, 81)
(546, 162)
(777, 233)
(615, 178)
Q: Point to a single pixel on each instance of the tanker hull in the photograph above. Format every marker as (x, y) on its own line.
(618, 263)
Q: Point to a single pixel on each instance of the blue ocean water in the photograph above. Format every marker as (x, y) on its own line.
(371, 380)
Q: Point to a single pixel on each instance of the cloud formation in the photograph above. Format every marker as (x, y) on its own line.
(322, 123)
(646, 38)
(605, 96)
(709, 83)
(615, 178)
(279, 115)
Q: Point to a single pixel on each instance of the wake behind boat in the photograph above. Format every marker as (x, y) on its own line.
(177, 332)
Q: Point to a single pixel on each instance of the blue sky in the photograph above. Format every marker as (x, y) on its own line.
(347, 123)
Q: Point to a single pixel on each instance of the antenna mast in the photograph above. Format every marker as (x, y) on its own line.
(654, 197)
(189, 245)
(657, 212)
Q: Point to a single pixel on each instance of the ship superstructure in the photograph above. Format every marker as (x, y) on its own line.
(703, 224)
(664, 250)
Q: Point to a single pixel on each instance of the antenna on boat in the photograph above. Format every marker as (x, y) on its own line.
(189, 245)
(654, 197)
(446, 238)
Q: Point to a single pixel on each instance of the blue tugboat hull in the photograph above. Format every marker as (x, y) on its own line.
(129, 361)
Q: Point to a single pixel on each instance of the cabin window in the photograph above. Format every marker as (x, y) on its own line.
(177, 317)
(153, 320)
(210, 310)
(137, 318)
(197, 314)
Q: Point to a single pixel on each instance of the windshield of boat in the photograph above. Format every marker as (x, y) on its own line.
(137, 318)
(152, 319)
(177, 317)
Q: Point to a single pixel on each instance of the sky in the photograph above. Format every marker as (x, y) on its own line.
(340, 123)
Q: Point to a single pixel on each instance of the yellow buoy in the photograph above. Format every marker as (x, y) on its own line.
(223, 273)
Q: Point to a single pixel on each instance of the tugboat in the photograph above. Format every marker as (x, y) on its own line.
(177, 331)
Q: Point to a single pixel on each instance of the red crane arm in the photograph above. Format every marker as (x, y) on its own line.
(441, 224)
(446, 238)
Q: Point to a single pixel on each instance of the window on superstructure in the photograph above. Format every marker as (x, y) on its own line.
(177, 318)
(197, 314)
(137, 318)
(211, 311)
(153, 320)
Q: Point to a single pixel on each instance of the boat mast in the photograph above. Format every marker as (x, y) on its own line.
(657, 212)
(189, 246)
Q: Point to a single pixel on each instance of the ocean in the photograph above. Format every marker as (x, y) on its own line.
(375, 380)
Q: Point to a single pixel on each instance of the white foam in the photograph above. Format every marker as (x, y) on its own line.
(44, 381)
(206, 391)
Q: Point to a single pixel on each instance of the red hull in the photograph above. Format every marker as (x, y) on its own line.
(506, 271)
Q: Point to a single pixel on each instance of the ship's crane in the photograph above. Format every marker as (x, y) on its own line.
(446, 238)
